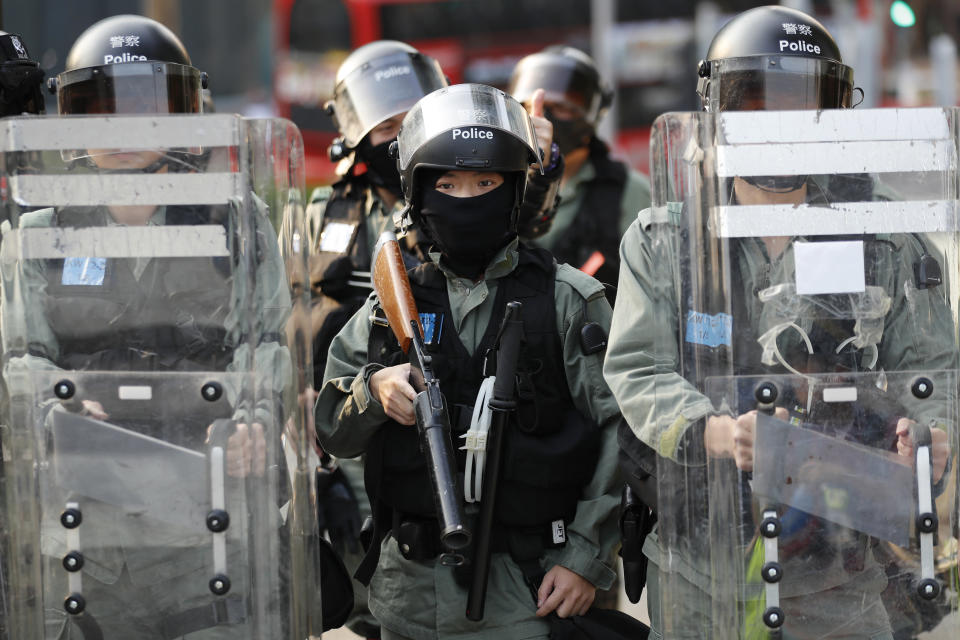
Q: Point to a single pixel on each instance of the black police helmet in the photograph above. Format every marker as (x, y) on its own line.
(20, 78)
(774, 57)
(466, 127)
(568, 76)
(377, 81)
(129, 64)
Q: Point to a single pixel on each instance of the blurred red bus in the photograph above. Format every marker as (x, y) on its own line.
(481, 41)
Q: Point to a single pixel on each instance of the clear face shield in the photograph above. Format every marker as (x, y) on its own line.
(468, 127)
(381, 89)
(134, 88)
(769, 83)
(566, 86)
(776, 83)
(456, 111)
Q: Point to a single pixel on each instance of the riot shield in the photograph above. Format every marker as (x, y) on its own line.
(804, 403)
(157, 475)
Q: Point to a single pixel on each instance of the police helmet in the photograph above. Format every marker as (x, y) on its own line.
(568, 76)
(378, 81)
(467, 127)
(774, 58)
(129, 64)
(20, 78)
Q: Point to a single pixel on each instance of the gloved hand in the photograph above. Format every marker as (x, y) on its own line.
(541, 197)
(338, 513)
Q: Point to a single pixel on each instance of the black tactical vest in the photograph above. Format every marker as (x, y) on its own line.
(596, 226)
(550, 449)
(334, 304)
(171, 318)
(347, 204)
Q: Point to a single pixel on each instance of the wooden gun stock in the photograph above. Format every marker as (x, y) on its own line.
(393, 289)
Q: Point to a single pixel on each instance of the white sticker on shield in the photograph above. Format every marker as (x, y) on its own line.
(829, 267)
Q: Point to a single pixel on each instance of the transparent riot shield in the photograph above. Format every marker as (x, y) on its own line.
(156, 456)
(804, 404)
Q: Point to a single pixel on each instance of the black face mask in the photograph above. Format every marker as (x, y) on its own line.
(381, 168)
(569, 134)
(470, 231)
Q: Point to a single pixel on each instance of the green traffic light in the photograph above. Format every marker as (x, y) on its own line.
(902, 14)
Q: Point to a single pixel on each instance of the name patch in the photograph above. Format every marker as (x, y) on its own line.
(432, 327)
(711, 331)
(84, 271)
(559, 532)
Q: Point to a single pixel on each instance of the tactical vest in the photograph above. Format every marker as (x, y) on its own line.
(171, 318)
(550, 449)
(347, 205)
(334, 304)
(596, 226)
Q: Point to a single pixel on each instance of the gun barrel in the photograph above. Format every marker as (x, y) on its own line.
(434, 426)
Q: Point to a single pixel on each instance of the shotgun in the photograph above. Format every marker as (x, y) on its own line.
(392, 286)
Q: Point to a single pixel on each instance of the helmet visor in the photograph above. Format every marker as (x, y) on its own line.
(777, 83)
(381, 89)
(131, 88)
(564, 83)
(457, 111)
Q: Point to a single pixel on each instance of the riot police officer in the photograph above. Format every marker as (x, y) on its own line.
(152, 314)
(599, 196)
(775, 344)
(20, 93)
(365, 405)
(375, 86)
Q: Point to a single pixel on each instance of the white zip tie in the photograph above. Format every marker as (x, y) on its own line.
(476, 442)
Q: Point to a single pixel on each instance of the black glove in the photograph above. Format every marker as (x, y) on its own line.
(337, 511)
(541, 197)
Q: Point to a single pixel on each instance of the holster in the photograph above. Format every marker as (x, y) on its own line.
(417, 538)
(636, 521)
